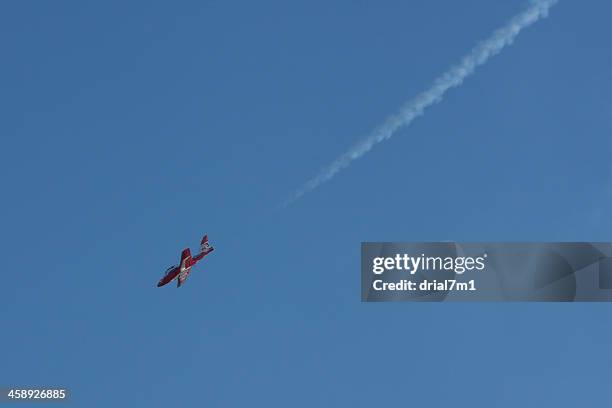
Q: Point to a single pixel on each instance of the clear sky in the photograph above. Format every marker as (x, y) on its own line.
(130, 128)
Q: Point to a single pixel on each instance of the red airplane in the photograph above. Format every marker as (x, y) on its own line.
(187, 262)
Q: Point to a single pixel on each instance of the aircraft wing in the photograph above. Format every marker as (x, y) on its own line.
(186, 254)
(182, 277)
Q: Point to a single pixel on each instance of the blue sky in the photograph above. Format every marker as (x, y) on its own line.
(130, 128)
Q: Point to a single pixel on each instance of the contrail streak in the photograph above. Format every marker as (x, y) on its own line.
(454, 77)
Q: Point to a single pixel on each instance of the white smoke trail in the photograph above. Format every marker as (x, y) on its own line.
(455, 76)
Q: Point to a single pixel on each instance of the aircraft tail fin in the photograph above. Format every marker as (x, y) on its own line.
(205, 246)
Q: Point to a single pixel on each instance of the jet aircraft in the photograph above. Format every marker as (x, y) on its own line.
(181, 271)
